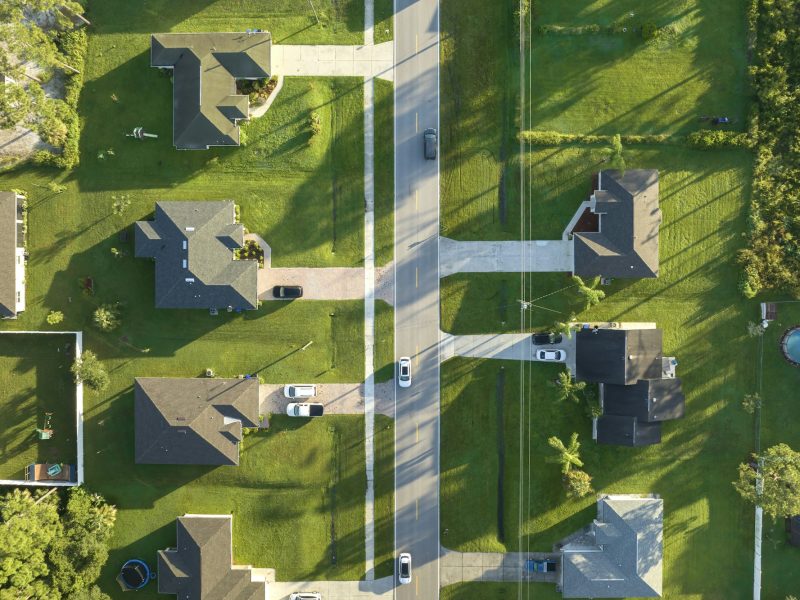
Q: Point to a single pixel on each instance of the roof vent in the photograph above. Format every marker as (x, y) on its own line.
(189, 280)
(185, 244)
(185, 263)
(190, 229)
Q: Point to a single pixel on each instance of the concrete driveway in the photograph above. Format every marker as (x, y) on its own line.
(503, 346)
(337, 398)
(334, 61)
(335, 590)
(545, 256)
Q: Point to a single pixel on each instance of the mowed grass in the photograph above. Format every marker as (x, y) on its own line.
(490, 302)
(696, 303)
(478, 120)
(384, 172)
(618, 83)
(289, 21)
(296, 497)
(384, 496)
(384, 341)
(780, 382)
(35, 380)
(303, 193)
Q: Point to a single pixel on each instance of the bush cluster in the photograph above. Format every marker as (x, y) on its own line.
(772, 259)
(554, 138)
(718, 138)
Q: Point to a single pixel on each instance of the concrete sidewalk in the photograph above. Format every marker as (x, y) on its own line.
(545, 256)
(456, 567)
(335, 61)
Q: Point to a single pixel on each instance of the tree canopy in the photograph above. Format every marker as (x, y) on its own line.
(50, 551)
(780, 481)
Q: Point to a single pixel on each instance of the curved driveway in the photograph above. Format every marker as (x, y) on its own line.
(416, 51)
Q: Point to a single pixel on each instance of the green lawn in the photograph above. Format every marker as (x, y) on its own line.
(779, 393)
(384, 496)
(384, 20)
(296, 497)
(489, 302)
(478, 120)
(696, 302)
(384, 172)
(289, 21)
(304, 195)
(617, 83)
(35, 379)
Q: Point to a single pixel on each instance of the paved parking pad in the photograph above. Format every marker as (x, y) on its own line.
(337, 398)
(456, 567)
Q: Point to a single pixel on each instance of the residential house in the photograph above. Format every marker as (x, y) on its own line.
(619, 555)
(206, 109)
(200, 566)
(192, 421)
(193, 245)
(12, 254)
(623, 242)
(638, 387)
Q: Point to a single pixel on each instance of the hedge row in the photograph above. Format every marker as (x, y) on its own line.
(703, 139)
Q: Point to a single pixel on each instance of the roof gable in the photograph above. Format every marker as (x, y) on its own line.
(204, 101)
(627, 243)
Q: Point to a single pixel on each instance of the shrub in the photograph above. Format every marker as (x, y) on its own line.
(649, 31)
(88, 369)
(106, 317)
(315, 123)
(717, 138)
(751, 402)
(578, 483)
(54, 317)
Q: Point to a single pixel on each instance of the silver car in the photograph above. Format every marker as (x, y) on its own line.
(404, 372)
(404, 568)
(305, 596)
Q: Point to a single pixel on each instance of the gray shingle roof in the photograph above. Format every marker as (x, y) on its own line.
(627, 244)
(9, 240)
(192, 421)
(619, 356)
(649, 400)
(200, 567)
(211, 277)
(621, 556)
(206, 65)
(624, 430)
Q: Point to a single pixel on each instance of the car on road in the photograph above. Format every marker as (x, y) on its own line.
(287, 291)
(305, 409)
(430, 138)
(404, 372)
(551, 355)
(404, 568)
(305, 596)
(299, 390)
(543, 339)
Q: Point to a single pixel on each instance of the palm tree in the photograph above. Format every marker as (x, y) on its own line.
(564, 327)
(568, 456)
(590, 292)
(568, 389)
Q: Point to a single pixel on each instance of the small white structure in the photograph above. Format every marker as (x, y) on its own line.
(12, 254)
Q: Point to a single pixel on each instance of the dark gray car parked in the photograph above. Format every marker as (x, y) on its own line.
(430, 139)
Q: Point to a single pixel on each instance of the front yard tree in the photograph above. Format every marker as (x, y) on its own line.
(578, 483)
(88, 369)
(568, 455)
(568, 388)
(590, 292)
(780, 481)
(106, 317)
(615, 154)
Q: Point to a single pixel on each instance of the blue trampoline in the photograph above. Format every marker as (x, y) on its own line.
(134, 575)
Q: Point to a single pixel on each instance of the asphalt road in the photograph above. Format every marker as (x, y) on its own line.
(416, 50)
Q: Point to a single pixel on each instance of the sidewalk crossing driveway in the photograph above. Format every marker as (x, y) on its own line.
(544, 256)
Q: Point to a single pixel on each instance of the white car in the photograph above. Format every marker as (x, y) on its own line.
(305, 409)
(551, 355)
(299, 390)
(404, 374)
(305, 596)
(404, 568)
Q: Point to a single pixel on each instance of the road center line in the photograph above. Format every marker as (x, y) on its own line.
(416, 276)
(416, 122)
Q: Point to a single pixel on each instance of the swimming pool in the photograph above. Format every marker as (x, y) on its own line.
(790, 344)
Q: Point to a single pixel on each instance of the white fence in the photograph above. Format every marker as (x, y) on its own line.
(78, 416)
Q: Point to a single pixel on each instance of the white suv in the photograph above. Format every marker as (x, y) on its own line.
(404, 375)
(299, 390)
(305, 596)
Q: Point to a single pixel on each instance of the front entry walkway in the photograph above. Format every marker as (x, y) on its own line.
(544, 256)
(334, 61)
(492, 566)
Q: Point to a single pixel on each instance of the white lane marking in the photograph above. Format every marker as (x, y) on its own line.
(416, 121)
(416, 275)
